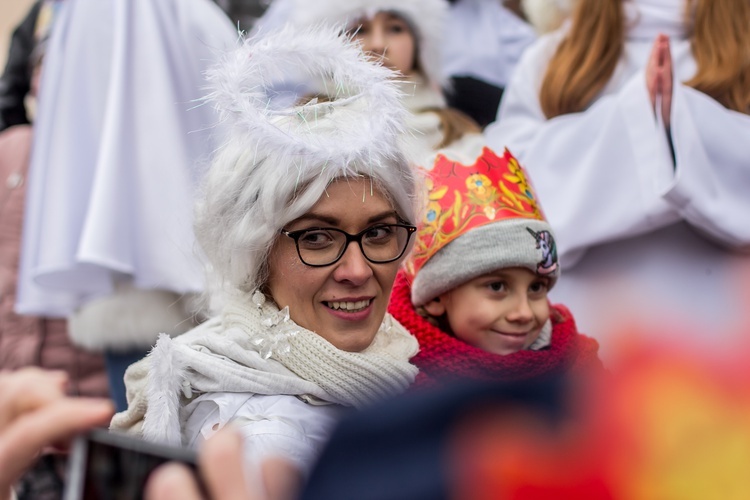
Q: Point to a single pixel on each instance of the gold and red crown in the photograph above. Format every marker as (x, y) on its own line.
(463, 197)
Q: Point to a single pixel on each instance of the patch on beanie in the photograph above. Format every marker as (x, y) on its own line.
(546, 243)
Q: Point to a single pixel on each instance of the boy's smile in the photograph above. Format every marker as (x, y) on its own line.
(501, 312)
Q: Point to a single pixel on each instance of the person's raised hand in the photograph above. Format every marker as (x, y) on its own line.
(35, 414)
(659, 77)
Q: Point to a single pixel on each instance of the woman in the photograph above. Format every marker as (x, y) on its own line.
(305, 219)
(632, 122)
(407, 37)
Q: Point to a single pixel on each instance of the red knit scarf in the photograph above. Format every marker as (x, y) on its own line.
(443, 356)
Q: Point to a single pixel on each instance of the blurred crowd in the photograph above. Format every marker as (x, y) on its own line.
(571, 172)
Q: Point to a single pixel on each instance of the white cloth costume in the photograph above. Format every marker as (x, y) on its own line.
(484, 40)
(481, 38)
(119, 144)
(283, 386)
(643, 241)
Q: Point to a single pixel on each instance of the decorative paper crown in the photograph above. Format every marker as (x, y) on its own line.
(490, 213)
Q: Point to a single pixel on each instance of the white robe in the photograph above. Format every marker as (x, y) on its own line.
(484, 40)
(119, 144)
(642, 241)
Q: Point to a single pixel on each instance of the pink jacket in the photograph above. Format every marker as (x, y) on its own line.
(29, 340)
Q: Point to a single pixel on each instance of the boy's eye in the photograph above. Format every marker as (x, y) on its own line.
(537, 287)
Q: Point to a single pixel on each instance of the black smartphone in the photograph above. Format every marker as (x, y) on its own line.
(106, 465)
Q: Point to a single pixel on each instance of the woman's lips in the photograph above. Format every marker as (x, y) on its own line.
(350, 309)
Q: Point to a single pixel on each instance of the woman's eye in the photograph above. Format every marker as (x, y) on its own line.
(315, 239)
(497, 286)
(378, 234)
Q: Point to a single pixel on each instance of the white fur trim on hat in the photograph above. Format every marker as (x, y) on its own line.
(130, 318)
(427, 17)
(503, 244)
(278, 162)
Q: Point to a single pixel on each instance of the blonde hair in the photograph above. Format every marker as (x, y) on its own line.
(454, 124)
(720, 35)
(587, 57)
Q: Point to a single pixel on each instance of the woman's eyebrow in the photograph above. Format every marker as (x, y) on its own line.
(334, 221)
(317, 218)
(382, 215)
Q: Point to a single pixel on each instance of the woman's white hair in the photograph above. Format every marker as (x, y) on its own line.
(277, 163)
(426, 17)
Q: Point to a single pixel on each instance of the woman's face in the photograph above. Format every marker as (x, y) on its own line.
(388, 37)
(345, 302)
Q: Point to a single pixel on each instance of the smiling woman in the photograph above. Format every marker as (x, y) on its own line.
(343, 296)
(305, 218)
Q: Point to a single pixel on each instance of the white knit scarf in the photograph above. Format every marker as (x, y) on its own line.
(348, 378)
(254, 348)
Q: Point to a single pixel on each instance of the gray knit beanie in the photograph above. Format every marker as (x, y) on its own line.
(480, 218)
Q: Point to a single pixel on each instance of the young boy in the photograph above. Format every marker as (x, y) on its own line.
(474, 292)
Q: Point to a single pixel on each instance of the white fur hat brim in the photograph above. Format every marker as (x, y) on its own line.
(427, 17)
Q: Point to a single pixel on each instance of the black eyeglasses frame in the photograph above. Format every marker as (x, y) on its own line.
(295, 235)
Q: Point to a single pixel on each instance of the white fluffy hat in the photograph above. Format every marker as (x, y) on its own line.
(426, 17)
(278, 162)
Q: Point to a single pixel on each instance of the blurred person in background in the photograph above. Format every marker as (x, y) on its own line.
(631, 120)
(119, 146)
(16, 80)
(33, 340)
(482, 43)
(407, 36)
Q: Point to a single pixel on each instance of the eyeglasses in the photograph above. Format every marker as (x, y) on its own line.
(323, 246)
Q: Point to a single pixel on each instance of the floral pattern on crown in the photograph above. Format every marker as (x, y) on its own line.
(463, 197)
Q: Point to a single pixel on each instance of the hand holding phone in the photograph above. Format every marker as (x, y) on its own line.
(106, 465)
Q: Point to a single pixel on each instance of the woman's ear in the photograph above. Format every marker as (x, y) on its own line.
(435, 307)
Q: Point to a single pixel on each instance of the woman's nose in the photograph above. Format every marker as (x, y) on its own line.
(353, 266)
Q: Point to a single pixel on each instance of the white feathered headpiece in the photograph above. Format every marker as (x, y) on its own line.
(278, 162)
(427, 17)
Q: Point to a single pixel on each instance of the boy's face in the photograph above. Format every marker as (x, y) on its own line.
(501, 312)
